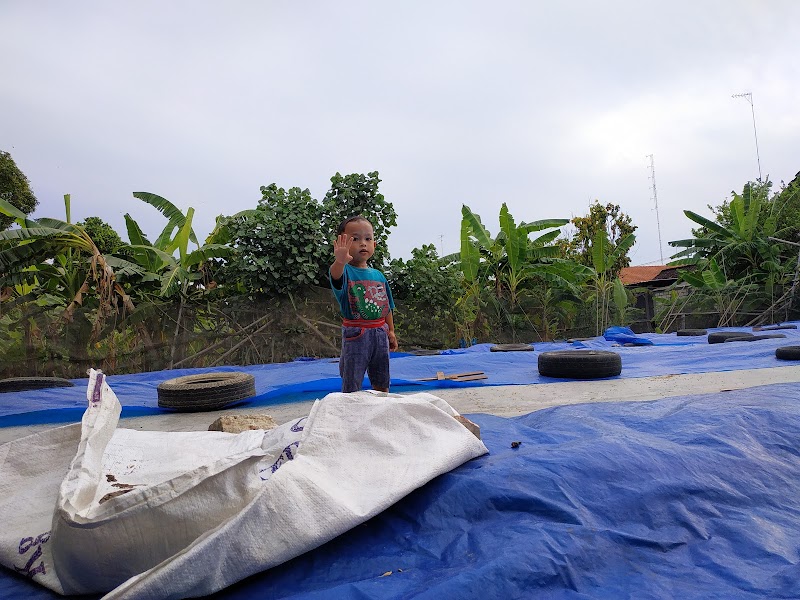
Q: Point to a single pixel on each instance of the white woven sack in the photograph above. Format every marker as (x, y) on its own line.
(31, 470)
(359, 454)
(186, 514)
(132, 499)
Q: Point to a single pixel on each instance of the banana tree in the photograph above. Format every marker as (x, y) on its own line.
(727, 295)
(49, 268)
(741, 248)
(740, 252)
(175, 271)
(605, 286)
(179, 274)
(40, 251)
(512, 257)
(512, 262)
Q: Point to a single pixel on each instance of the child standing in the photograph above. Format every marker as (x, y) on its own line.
(365, 301)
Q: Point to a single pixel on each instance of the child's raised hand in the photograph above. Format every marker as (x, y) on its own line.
(341, 249)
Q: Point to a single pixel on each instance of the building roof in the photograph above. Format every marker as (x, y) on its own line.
(632, 275)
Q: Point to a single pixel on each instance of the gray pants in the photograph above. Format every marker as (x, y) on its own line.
(364, 350)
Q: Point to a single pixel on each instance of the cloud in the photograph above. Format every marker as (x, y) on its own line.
(545, 106)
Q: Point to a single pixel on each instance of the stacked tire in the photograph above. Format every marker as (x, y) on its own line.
(206, 391)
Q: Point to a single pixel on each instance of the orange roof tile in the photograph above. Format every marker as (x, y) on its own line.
(630, 275)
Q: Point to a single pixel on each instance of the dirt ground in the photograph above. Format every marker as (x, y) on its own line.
(505, 401)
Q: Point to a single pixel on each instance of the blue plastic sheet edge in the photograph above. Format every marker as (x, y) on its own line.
(665, 354)
(690, 497)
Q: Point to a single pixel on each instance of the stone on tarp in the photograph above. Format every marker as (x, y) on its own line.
(240, 423)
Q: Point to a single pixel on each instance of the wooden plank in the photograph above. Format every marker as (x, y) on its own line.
(454, 376)
(471, 378)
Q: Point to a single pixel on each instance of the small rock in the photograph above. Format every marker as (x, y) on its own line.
(240, 423)
(474, 428)
(516, 444)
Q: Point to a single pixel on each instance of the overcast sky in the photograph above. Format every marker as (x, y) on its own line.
(546, 106)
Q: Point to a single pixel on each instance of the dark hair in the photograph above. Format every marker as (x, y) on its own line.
(343, 225)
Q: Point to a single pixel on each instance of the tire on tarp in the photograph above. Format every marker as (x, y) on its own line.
(205, 391)
(720, 336)
(755, 338)
(21, 384)
(788, 353)
(580, 364)
(774, 327)
(688, 332)
(511, 348)
(424, 352)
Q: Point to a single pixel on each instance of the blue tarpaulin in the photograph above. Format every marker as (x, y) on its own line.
(669, 354)
(689, 497)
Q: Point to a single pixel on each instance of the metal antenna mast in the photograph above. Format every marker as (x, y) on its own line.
(655, 200)
(749, 97)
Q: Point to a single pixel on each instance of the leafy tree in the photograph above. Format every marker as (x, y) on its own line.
(278, 247)
(14, 189)
(787, 209)
(512, 257)
(358, 194)
(424, 278)
(756, 190)
(609, 218)
(105, 238)
(426, 290)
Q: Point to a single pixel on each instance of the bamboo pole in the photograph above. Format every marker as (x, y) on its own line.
(244, 341)
(317, 332)
(216, 345)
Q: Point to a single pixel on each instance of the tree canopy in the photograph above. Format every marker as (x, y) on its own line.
(105, 238)
(617, 225)
(279, 247)
(357, 194)
(15, 189)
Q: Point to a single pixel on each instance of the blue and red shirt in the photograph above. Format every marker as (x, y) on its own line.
(364, 294)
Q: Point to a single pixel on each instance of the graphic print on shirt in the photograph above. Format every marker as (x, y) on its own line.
(368, 299)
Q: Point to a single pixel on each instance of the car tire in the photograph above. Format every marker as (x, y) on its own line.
(788, 353)
(21, 384)
(205, 391)
(580, 364)
(720, 336)
(755, 338)
(511, 348)
(425, 352)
